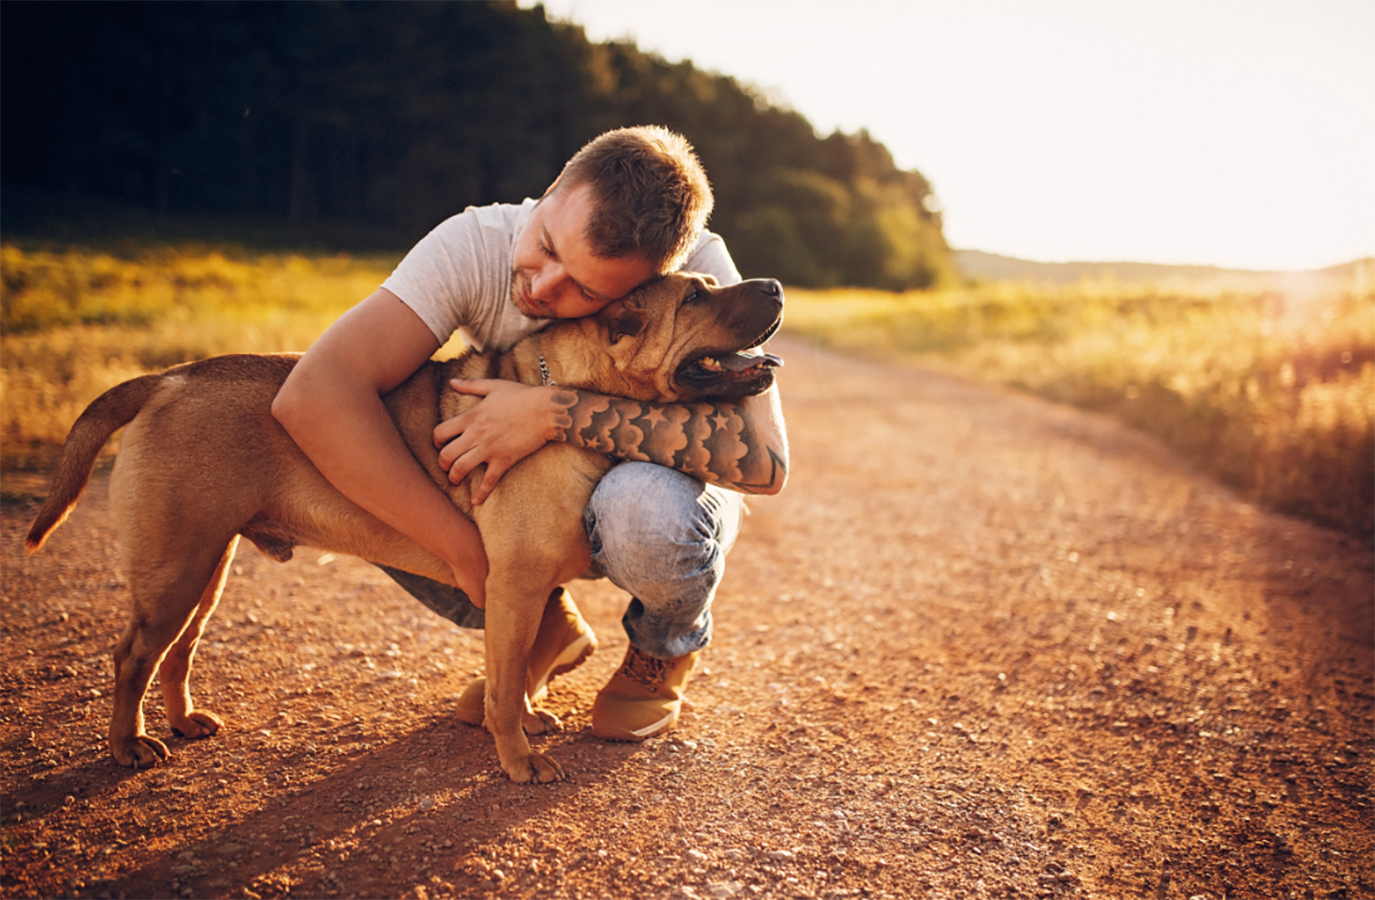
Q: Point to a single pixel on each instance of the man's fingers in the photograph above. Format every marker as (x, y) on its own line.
(461, 467)
(450, 452)
(449, 429)
(489, 481)
(480, 387)
(495, 434)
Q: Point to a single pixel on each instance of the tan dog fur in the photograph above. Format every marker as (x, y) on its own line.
(203, 462)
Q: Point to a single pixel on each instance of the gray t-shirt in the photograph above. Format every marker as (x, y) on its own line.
(458, 278)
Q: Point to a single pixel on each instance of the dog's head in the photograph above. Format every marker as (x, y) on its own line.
(684, 337)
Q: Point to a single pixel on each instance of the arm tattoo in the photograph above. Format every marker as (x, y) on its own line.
(711, 441)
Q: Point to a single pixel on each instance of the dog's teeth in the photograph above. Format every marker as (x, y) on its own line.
(710, 364)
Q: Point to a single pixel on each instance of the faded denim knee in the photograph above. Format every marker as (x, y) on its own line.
(663, 536)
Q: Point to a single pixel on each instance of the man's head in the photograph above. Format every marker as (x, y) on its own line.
(650, 194)
(626, 207)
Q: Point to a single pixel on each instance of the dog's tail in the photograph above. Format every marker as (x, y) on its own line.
(107, 414)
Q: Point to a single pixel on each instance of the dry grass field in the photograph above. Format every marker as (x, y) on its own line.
(1272, 390)
(77, 323)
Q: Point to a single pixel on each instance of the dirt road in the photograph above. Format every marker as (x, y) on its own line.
(982, 646)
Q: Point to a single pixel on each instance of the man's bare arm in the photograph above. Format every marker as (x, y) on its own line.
(331, 405)
(741, 446)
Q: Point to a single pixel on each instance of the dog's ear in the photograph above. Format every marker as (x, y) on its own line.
(623, 320)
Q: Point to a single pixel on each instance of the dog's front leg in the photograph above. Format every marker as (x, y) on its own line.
(514, 607)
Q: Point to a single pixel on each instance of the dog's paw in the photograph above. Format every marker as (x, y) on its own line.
(139, 752)
(535, 768)
(196, 724)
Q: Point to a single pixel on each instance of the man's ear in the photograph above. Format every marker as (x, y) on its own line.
(623, 320)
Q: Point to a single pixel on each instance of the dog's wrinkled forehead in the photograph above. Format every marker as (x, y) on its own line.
(668, 292)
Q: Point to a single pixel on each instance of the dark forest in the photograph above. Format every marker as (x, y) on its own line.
(389, 117)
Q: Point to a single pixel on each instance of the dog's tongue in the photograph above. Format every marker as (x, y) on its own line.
(740, 362)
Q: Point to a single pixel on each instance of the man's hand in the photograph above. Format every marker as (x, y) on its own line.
(741, 446)
(520, 420)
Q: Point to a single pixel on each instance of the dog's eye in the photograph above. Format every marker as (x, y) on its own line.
(696, 295)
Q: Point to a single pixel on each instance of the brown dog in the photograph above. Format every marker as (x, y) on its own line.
(204, 461)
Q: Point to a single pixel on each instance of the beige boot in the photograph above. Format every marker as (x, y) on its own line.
(643, 698)
(563, 642)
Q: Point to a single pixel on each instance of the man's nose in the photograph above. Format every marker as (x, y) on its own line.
(547, 281)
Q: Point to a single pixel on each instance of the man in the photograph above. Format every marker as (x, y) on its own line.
(630, 206)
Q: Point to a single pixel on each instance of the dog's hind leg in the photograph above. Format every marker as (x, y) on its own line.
(175, 671)
(165, 598)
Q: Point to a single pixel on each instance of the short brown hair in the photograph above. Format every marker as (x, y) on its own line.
(652, 196)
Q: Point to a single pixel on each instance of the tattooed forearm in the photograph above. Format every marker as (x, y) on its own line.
(710, 441)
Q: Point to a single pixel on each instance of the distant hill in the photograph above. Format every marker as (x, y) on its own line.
(977, 265)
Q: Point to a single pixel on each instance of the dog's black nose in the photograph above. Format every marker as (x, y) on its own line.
(769, 286)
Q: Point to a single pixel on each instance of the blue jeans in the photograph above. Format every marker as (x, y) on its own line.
(660, 535)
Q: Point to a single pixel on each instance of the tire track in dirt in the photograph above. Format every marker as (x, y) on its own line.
(982, 645)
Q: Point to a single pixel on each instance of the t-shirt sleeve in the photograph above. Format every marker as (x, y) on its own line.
(710, 257)
(440, 279)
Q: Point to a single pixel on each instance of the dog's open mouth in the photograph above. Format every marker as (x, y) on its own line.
(725, 366)
(731, 372)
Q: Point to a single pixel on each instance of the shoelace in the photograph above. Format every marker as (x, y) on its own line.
(647, 670)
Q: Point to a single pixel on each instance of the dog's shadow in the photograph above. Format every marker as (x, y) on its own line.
(428, 806)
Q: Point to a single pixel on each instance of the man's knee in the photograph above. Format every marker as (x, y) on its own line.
(632, 503)
(654, 531)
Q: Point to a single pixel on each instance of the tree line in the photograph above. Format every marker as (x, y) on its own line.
(394, 116)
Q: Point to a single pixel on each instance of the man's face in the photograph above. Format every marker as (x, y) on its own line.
(556, 275)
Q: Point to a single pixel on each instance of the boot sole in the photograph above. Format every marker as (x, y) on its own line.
(625, 735)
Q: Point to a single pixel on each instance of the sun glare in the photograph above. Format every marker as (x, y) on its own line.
(1207, 132)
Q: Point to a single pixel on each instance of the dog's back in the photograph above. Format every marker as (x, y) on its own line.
(148, 395)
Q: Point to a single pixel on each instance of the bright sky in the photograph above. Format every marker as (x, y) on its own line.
(1238, 133)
